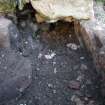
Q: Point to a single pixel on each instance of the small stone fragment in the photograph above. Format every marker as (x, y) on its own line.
(73, 46)
(91, 102)
(86, 99)
(40, 55)
(23, 104)
(39, 18)
(82, 58)
(50, 56)
(54, 91)
(80, 78)
(83, 67)
(55, 70)
(50, 85)
(74, 85)
(54, 10)
(77, 100)
(54, 63)
(23, 24)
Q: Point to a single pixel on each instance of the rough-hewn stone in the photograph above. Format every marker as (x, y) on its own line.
(53, 10)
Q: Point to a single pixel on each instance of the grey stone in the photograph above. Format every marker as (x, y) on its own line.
(77, 100)
(91, 102)
(8, 33)
(83, 67)
(92, 35)
(15, 74)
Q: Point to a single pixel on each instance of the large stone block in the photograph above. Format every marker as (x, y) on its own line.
(53, 10)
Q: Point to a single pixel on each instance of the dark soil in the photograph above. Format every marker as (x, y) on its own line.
(55, 65)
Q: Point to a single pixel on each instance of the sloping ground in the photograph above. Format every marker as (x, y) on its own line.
(63, 73)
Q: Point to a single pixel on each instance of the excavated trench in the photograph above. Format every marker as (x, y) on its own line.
(63, 73)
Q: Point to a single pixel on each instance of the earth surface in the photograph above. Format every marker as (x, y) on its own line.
(63, 72)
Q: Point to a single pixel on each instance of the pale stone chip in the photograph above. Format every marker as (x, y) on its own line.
(50, 56)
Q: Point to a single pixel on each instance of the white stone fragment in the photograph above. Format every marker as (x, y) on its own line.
(73, 46)
(54, 63)
(54, 91)
(82, 58)
(55, 70)
(50, 85)
(2, 55)
(40, 55)
(22, 104)
(50, 56)
(77, 100)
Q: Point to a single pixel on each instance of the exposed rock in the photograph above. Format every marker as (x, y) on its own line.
(15, 74)
(53, 10)
(92, 34)
(8, 33)
(4, 36)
